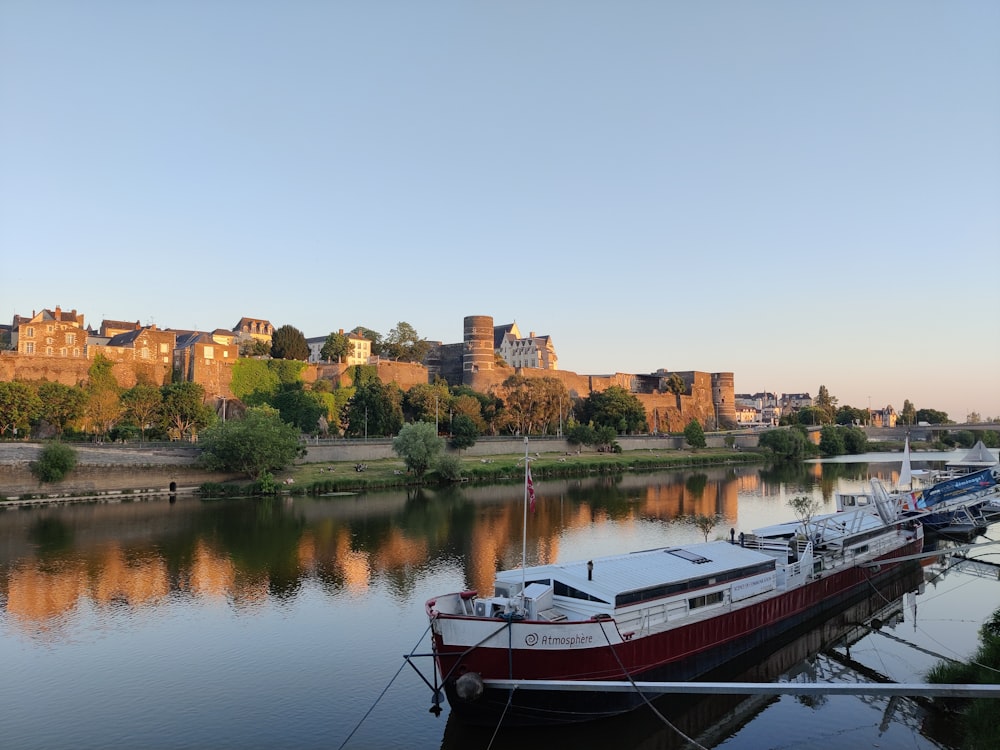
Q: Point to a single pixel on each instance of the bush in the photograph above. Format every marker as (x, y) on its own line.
(56, 461)
(449, 467)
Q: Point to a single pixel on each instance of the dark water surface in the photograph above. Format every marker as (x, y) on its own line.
(279, 623)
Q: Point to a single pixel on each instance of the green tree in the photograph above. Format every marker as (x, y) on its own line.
(143, 403)
(932, 416)
(261, 442)
(831, 441)
(418, 445)
(785, 444)
(826, 403)
(675, 384)
(427, 402)
(299, 407)
(255, 348)
(405, 345)
(54, 463)
(909, 413)
(104, 406)
(184, 410)
(581, 434)
(335, 347)
(375, 410)
(855, 440)
(61, 404)
(849, 415)
(613, 407)
(288, 342)
(19, 406)
(463, 432)
(694, 435)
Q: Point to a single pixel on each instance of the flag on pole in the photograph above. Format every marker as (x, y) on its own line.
(531, 492)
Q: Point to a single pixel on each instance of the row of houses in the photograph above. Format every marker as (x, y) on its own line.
(767, 408)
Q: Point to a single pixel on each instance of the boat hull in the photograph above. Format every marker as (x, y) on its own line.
(590, 650)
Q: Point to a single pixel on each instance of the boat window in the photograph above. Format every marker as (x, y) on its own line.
(706, 600)
(562, 589)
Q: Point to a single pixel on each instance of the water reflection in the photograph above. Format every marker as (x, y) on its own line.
(250, 550)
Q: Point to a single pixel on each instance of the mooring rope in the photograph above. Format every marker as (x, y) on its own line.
(382, 694)
(646, 700)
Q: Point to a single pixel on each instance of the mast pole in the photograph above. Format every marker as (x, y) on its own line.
(524, 524)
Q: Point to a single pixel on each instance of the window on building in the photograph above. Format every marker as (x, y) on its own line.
(48, 350)
(49, 340)
(145, 352)
(76, 351)
(70, 338)
(62, 352)
(29, 332)
(164, 348)
(49, 328)
(209, 352)
(29, 348)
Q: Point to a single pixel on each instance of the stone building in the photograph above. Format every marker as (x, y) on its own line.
(253, 329)
(50, 333)
(534, 351)
(199, 358)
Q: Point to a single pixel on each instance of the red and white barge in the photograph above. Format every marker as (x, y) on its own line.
(670, 614)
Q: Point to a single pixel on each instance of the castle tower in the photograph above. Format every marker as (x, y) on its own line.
(724, 396)
(477, 351)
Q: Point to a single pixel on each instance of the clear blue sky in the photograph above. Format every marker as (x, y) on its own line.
(799, 193)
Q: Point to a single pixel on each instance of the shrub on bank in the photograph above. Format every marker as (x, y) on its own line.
(55, 462)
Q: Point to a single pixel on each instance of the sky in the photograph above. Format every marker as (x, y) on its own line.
(802, 194)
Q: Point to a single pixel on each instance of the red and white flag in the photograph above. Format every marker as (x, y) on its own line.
(531, 492)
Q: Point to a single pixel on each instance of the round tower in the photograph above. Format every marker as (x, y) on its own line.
(724, 396)
(477, 353)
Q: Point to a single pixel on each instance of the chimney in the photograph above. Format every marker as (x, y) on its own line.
(531, 335)
(341, 331)
(58, 313)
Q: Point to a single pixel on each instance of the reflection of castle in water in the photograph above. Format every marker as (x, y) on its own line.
(138, 554)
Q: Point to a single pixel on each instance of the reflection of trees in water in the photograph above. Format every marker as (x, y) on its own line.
(51, 536)
(695, 484)
(787, 473)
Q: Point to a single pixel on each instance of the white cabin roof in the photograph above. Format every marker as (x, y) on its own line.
(639, 570)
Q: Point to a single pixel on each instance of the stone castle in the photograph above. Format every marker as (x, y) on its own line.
(55, 346)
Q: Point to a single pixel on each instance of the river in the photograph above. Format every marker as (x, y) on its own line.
(282, 623)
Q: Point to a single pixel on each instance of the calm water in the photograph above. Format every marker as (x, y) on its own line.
(279, 623)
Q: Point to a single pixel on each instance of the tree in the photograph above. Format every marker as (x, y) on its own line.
(288, 342)
(142, 404)
(426, 402)
(464, 432)
(973, 417)
(784, 444)
(405, 345)
(850, 415)
(19, 406)
(804, 509)
(335, 347)
(826, 403)
(255, 348)
(703, 523)
(418, 445)
(694, 435)
(298, 406)
(831, 441)
(61, 404)
(375, 409)
(581, 434)
(55, 462)
(909, 413)
(184, 409)
(855, 440)
(104, 407)
(932, 416)
(812, 415)
(675, 384)
(614, 407)
(259, 442)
